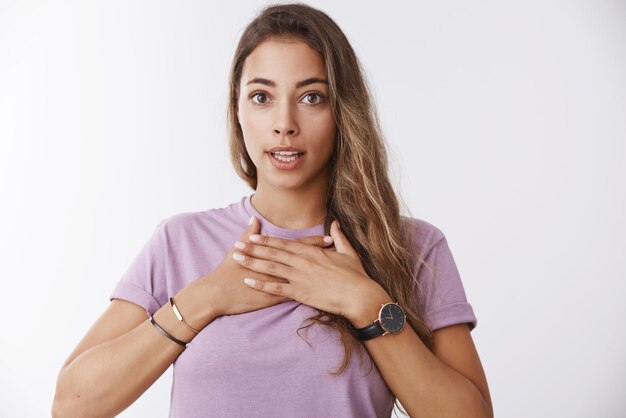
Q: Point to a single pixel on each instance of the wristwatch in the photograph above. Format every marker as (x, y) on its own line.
(391, 319)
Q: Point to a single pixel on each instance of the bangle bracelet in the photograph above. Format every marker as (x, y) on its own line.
(177, 341)
(179, 316)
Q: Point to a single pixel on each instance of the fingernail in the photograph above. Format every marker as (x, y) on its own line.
(238, 257)
(328, 239)
(255, 237)
(251, 219)
(240, 245)
(250, 282)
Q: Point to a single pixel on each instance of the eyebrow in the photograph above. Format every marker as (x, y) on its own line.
(299, 84)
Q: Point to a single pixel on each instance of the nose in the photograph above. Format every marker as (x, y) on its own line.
(285, 121)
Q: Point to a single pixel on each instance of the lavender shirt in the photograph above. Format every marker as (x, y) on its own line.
(255, 364)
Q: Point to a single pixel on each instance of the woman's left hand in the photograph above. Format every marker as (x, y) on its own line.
(330, 280)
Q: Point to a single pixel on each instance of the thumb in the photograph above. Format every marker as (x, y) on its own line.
(253, 228)
(342, 245)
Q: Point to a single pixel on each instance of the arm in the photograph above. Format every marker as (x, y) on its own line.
(123, 355)
(448, 383)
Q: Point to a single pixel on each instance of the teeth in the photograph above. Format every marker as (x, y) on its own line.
(285, 159)
(286, 156)
(285, 152)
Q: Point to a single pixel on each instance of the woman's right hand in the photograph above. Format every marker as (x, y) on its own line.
(229, 295)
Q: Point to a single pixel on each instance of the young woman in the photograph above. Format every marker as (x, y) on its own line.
(313, 296)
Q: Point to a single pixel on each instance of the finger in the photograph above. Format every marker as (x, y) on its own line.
(273, 279)
(342, 244)
(283, 257)
(317, 240)
(265, 253)
(289, 245)
(252, 228)
(272, 268)
(273, 288)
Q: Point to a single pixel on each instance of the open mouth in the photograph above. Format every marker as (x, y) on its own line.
(286, 156)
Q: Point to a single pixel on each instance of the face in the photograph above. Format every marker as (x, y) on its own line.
(284, 107)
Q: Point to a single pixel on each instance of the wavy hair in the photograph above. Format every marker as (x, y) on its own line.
(360, 194)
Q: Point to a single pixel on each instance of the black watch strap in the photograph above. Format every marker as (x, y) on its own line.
(373, 330)
(391, 315)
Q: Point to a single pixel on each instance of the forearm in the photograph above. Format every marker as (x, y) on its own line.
(105, 379)
(425, 386)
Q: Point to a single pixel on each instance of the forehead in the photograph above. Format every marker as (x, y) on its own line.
(283, 61)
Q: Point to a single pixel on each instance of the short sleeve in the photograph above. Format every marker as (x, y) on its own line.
(445, 302)
(144, 280)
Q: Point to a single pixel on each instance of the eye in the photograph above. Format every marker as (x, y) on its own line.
(260, 96)
(313, 98)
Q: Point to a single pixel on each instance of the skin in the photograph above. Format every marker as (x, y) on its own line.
(274, 111)
(122, 355)
(287, 115)
(448, 382)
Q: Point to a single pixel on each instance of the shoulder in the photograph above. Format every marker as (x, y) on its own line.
(421, 233)
(184, 223)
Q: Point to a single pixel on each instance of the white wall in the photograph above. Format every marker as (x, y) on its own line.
(507, 121)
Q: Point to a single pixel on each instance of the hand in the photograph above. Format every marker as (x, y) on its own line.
(332, 281)
(229, 295)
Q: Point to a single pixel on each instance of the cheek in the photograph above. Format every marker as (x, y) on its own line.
(252, 129)
(326, 131)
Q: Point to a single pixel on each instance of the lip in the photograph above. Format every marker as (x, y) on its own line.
(282, 165)
(276, 149)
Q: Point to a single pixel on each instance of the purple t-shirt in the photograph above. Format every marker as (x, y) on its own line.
(255, 364)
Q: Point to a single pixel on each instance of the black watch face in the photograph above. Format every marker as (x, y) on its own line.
(392, 317)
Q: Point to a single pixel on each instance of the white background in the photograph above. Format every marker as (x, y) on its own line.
(506, 122)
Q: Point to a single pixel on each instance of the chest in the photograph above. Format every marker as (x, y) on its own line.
(269, 342)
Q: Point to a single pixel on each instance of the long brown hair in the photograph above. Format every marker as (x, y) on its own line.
(360, 195)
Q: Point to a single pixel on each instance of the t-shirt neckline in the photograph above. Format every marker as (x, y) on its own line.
(268, 228)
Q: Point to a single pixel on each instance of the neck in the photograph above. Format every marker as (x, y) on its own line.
(300, 208)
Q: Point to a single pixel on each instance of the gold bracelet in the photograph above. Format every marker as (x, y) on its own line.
(179, 316)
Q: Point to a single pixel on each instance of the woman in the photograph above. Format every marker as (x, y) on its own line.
(258, 303)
